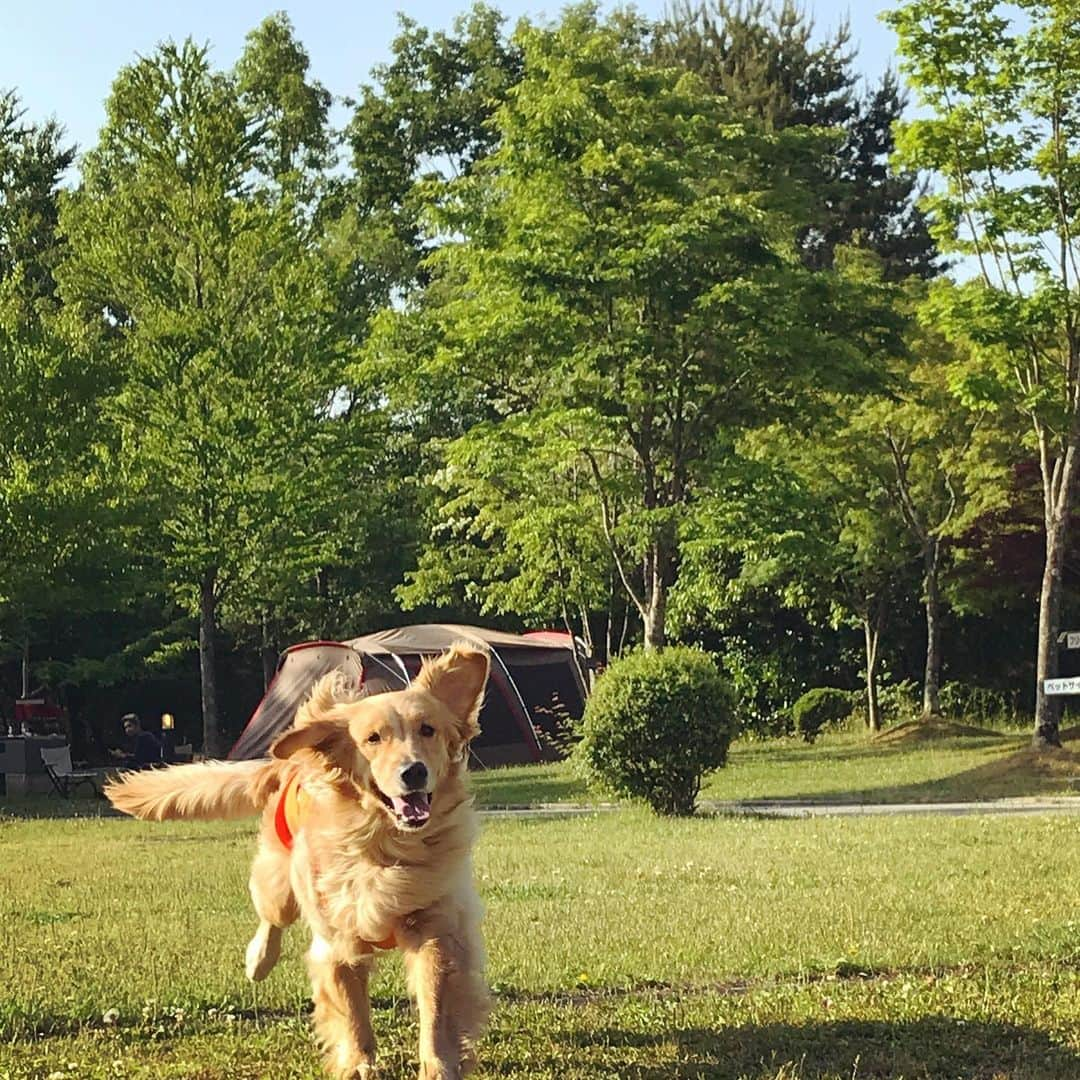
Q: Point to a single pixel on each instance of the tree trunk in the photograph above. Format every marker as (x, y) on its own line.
(1048, 708)
(655, 622)
(658, 574)
(872, 630)
(207, 665)
(931, 591)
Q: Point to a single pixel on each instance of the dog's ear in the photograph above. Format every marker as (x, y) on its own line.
(328, 737)
(457, 679)
(318, 725)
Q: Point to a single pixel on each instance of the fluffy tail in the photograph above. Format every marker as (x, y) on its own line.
(211, 789)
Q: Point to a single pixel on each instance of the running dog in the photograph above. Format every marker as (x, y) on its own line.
(367, 832)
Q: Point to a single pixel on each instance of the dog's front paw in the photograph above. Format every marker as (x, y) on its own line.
(439, 1070)
(349, 1065)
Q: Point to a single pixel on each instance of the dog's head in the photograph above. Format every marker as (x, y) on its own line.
(397, 748)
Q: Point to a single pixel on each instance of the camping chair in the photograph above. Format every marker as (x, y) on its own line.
(65, 779)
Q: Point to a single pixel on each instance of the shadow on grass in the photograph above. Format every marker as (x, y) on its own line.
(937, 1047)
(34, 807)
(1021, 774)
(934, 1047)
(493, 790)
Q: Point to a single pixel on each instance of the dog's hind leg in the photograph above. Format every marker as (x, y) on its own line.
(276, 907)
(342, 1011)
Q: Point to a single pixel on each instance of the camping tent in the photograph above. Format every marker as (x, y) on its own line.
(535, 688)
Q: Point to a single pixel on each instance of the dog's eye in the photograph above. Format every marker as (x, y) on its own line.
(374, 737)
(426, 730)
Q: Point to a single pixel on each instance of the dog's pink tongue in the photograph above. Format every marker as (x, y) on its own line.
(415, 806)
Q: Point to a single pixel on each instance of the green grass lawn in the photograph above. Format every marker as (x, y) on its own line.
(620, 946)
(846, 768)
(837, 768)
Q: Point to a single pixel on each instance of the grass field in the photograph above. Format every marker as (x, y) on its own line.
(844, 768)
(847, 768)
(620, 946)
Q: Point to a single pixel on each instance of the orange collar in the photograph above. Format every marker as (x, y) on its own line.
(289, 817)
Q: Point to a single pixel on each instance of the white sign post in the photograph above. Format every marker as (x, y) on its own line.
(1061, 687)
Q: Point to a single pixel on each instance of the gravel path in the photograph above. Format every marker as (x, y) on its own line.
(794, 808)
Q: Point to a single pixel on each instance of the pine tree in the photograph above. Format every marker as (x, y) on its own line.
(766, 61)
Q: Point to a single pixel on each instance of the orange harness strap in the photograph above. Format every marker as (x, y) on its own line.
(290, 813)
(289, 816)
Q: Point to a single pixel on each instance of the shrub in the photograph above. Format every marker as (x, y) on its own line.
(980, 704)
(655, 724)
(899, 702)
(819, 707)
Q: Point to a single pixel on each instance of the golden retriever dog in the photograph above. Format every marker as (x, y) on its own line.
(367, 831)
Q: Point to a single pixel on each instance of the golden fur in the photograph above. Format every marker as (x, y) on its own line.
(367, 863)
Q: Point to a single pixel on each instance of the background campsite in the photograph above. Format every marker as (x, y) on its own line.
(282, 367)
(716, 366)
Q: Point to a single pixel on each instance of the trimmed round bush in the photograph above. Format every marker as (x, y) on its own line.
(655, 724)
(819, 707)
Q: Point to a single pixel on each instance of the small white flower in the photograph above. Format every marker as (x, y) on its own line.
(110, 1016)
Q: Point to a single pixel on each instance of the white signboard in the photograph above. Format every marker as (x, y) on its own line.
(1072, 639)
(1060, 687)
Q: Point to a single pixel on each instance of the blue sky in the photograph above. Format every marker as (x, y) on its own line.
(62, 56)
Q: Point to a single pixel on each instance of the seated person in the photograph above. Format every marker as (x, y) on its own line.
(146, 749)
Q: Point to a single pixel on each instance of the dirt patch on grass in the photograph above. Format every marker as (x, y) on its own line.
(920, 731)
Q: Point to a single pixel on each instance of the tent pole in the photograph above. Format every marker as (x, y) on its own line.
(521, 702)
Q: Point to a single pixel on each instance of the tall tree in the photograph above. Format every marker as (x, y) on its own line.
(33, 160)
(57, 515)
(802, 521)
(940, 466)
(187, 243)
(627, 276)
(425, 117)
(764, 57)
(1003, 136)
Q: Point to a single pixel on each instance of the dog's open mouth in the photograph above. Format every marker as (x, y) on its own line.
(410, 811)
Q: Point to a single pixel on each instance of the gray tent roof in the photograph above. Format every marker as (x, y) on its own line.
(525, 667)
(435, 637)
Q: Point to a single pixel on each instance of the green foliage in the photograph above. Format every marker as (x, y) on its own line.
(201, 273)
(277, 92)
(618, 286)
(899, 700)
(426, 116)
(1000, 129)
(61, 534)
(979, 705)
(655, 725)
(818, 708)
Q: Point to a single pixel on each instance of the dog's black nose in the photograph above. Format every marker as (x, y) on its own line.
(415, 776)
